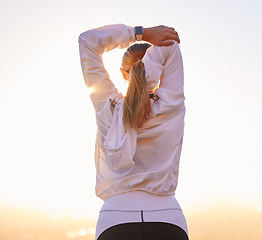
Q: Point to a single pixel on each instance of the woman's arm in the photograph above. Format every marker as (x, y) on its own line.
(92, 44)
(163, 58)
(165, 64)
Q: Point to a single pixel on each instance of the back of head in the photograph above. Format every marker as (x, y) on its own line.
(137, 103)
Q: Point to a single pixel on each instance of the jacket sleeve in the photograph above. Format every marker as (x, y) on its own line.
(92, 44)
(165, 64)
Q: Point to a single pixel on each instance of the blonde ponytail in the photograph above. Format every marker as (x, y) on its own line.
(137, 97)
(137, 103)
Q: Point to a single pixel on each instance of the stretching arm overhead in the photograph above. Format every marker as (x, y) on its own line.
(92, 45)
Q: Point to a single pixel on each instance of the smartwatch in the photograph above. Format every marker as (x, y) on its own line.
(139, 33)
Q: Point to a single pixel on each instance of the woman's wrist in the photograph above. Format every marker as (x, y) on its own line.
(148, 35)
(145, 36)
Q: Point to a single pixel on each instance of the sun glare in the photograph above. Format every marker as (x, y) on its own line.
(48, 126)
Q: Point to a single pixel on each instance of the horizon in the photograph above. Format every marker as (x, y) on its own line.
(238, 222)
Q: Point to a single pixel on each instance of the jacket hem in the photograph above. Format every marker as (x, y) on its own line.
(131, 190)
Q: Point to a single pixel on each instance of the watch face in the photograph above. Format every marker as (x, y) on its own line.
(139, 30)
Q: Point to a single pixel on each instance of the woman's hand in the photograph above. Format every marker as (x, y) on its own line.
(160, 35)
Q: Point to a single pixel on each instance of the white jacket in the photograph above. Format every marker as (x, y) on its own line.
(126, 160)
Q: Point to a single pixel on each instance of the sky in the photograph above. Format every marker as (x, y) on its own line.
(47, 122)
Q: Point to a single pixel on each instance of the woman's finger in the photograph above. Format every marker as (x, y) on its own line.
(166, 43)
(172, 31)
(173, 37)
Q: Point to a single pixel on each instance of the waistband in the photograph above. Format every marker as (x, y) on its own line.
(140, 200)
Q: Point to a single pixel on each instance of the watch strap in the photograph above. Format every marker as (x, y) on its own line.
(139, 33)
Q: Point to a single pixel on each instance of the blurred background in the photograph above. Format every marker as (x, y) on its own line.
(47, 122)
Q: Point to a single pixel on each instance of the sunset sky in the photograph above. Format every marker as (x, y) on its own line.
(47, 122)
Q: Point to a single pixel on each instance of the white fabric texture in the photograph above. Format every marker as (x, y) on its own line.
(120, 143)
(147, 160)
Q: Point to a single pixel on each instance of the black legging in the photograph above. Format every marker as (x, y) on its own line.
(144, 231)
